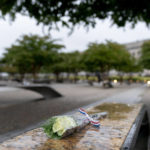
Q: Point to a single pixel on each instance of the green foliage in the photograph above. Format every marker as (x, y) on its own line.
(104, 57)
(123, 61)
(9, 69)
(57, 66)
(96, 57)
(48, 128)
(67, 62)
(31, 53)
(145, 55)
(72, 12)
(137, 79)
(34, 54)
(73, 62)
(120, 58)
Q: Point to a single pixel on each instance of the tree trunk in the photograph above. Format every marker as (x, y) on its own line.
(34, 75)
(57, 77)
(22, 77)
(120, 74)
(107, 81)
(99, 77)
(35, 70)
(75, 77)
(68, 75)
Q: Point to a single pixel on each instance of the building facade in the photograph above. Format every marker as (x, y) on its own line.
(134, 48)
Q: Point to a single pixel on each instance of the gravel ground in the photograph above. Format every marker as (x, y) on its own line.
(19, 117)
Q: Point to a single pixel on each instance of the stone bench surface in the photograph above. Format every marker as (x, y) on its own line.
(110, 136)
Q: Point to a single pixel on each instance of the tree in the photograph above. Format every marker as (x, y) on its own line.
(58, 67)
(65, 63)
(121, 58)
(31, 53)
(73, 62)
(123, 61)
(73, 12)
(97, 57)
(69, 63)
(104, 57)
(145, 55)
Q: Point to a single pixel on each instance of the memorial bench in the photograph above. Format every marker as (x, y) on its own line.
(126, 127)
(46, 91)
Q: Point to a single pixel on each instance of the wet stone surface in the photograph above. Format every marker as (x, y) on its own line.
(116, 111)
(110, 136)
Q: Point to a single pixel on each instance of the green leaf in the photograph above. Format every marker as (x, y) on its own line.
(48, 128)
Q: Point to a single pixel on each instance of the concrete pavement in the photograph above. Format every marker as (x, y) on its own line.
(10, 96)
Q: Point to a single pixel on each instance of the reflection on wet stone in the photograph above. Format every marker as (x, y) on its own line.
(110, 136)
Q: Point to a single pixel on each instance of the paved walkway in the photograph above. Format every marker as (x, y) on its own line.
(10, 96)
(130, 96)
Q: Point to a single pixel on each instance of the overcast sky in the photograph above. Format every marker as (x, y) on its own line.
(78, 40)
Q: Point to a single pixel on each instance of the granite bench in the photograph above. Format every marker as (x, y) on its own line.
(119, 130)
